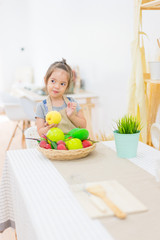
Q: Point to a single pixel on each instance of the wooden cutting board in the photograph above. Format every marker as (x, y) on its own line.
(95, 207)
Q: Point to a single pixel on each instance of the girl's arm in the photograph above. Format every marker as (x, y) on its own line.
(43, 127)
(78, 119)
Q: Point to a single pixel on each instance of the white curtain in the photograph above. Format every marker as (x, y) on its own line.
(137, 96)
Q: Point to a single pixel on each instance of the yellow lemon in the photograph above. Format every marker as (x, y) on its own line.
(53, 117)
(55, 134)
(74, 143)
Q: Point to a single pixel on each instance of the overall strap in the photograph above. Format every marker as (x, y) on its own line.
(45, 105)
(66, 99)
(49, 104)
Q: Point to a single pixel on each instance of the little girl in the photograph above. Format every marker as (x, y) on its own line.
(57, 81)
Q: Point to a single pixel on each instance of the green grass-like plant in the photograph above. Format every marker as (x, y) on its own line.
(128, 125)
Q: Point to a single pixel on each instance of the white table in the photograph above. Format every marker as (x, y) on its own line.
(35, 97)
(148, 158)
(37, 199)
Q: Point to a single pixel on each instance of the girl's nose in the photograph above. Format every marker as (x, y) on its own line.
(57, 85)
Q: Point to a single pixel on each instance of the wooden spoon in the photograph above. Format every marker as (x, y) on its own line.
(99, 191)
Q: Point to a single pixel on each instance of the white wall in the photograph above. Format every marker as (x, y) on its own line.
(14, 34)
(93, 34)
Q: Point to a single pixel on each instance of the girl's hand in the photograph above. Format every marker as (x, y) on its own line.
(49, 126)
(71, 107)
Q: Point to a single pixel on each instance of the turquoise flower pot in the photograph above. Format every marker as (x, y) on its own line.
(126, 144)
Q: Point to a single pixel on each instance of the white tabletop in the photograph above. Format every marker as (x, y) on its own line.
(39, 202)
(148, 158)
(33, 96)
(37, 199)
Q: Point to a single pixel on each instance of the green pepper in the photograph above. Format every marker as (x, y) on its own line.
(82, 134)
(72, 131)
(69, 134)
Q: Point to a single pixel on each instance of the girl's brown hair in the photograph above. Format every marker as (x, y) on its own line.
(62, 65)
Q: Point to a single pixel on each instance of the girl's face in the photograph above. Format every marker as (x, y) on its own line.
(57, 83)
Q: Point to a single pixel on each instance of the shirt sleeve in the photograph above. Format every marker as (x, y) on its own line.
(40, 111)
(73, 100)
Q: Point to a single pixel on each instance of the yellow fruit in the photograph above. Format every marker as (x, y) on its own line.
(74, 143)
(55, 134)
(53, 117)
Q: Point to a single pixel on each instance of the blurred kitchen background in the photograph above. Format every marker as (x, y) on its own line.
(94, 36)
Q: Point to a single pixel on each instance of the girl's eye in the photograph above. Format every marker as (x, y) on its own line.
(63, 84)
(53, 81)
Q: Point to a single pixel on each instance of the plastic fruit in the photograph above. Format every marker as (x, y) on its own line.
(86, 143)
(53, 117)
(72, 131)
(48, 146)
(55, 135)
(61, 147)
(61, 142)
(42, 144)
(69, 134)
(74, 143)
(81, 133)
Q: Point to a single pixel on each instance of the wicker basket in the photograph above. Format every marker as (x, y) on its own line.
(66, 154)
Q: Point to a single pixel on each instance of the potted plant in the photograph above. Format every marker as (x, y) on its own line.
(126, 136)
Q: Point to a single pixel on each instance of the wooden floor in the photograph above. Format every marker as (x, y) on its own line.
(6, 130)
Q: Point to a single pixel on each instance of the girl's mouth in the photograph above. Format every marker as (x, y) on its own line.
(54, 91)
